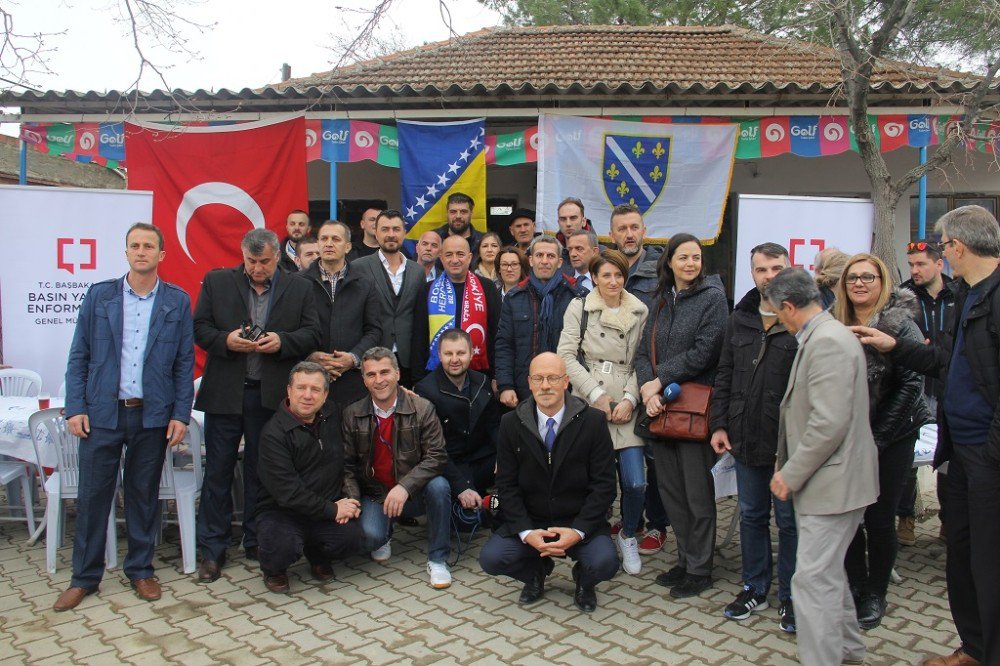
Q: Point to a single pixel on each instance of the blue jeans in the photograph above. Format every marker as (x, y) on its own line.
(435, 501)
(656, 513)
(632, 476)
(754, 485)
(100, 454)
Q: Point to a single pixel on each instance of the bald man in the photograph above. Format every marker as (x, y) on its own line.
(464, 300)
(556, 480)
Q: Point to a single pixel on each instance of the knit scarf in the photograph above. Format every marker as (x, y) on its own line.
(546, 295)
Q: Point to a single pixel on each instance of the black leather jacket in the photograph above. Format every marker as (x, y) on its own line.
(897, 407)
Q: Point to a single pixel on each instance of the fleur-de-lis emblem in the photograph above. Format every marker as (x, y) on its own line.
(612, 171)
(638, 150)
(622, 188)
(656, 174)
(658, 149)
(631, 200)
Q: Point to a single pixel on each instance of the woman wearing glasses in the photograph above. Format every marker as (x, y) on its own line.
(599, 337)
(511, 267)
(686, 324)
(866, 296)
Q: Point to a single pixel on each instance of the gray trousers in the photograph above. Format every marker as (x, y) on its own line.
(827, 623)
(684, 477)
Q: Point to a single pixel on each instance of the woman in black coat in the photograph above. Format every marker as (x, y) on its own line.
(689, 314)
(897, 408)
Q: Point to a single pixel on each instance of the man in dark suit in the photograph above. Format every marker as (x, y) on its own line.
(128, 383)
(348, 314)
(254, 322)
(398, 284)
(556, 481)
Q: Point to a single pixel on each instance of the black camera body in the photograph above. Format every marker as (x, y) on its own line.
(251, 331)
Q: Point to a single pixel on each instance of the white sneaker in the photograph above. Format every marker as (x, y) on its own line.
(383, 552)
(630, 554)
(440, 575)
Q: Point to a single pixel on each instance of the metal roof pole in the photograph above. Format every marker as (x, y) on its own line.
(22, 164)
(922, 199)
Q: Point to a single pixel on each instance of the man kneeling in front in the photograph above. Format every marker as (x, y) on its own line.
(556, 481)
(302, 507)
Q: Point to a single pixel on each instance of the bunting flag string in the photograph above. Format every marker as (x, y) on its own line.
(356, 140)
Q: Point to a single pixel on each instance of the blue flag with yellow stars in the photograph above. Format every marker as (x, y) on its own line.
(436, 160)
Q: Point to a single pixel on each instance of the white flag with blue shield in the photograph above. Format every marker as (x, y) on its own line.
(677, 174)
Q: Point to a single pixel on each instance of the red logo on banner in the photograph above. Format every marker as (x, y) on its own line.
(894, 132)
(795, 243)
(212, 185)
(88, 140)
(775, 137)
(531, 140)
(65, 264)
(314, 140)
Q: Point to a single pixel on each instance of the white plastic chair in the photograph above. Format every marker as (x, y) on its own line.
(183, 485)
(63, 483)
(19, 382)
(62, 390)
(11, 471)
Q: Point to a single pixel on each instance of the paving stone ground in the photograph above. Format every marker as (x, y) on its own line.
(388, 614)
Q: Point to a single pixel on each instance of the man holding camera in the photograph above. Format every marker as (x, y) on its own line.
(255, 322)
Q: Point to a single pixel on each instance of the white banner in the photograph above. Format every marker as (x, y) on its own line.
(804, 225)
(677, 174)
(56, 243)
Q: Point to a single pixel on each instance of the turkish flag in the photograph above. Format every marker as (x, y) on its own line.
(211, 185)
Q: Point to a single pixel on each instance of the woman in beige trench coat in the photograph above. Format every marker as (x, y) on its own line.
(606, 379)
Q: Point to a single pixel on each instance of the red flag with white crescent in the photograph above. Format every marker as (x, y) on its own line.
(211, 185)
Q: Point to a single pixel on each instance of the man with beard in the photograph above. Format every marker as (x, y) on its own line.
(297, 226)
(756, 358)
(398, 285)
(460, 207)
(469, 416)
(456, 299)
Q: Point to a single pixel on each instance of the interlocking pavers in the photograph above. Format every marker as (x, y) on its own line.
(388, 614)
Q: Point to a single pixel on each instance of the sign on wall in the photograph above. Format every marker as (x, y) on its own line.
(57, 242)
(804, 225)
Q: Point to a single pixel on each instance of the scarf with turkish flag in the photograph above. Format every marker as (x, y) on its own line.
(213, 184)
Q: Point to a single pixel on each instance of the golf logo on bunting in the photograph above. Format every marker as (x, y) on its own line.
(635, 169)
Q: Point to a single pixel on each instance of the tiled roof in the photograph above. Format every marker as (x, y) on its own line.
(614, 58)
(545, 67)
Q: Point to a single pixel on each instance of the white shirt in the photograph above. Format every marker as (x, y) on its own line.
(396, 279)
(385, 413)
(543, 427)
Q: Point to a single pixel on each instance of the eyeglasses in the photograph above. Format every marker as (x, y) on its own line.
(546, 379)
(921, 246)
(505, 264)
(946, 243)
(866, 278)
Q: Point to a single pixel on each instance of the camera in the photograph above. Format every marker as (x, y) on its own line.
(251, 331)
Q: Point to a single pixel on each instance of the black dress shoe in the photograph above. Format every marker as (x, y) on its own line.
(673, 577)
(534, 589)
(691, 586)
(871, 610)
(250, 552)
(584, 597)
(209, 571)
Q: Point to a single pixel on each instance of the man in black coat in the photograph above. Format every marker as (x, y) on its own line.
(348, 310)
(469, 415)
(968, 429)
(556, 482)
(297, 225)
(254, 322)
(302, 506)
(757, 355)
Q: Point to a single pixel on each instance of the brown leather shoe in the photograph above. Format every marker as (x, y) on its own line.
(956, 658)
(322, 572)
(277, 583)
(208, 571)
(71, 598)
(147, 589)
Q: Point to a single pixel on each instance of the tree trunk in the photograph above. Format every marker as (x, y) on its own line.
(886, 200)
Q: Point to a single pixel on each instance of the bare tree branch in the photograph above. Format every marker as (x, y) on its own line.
(22, 54)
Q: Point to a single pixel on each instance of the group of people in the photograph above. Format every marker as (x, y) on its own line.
(368, 388)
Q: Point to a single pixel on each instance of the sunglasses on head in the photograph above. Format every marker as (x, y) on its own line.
(921, 246)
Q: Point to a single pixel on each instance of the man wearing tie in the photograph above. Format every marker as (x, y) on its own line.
(129, 383)
(582, 247)
(556, 481)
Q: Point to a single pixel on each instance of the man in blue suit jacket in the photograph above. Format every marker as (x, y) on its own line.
(129, 383)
